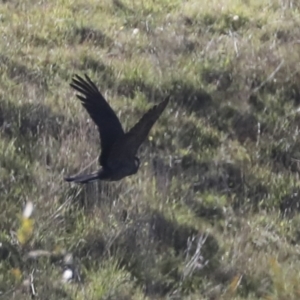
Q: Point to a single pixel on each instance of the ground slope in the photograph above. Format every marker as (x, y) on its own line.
(213, 210)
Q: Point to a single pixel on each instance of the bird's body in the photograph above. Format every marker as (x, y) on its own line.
(118, 156)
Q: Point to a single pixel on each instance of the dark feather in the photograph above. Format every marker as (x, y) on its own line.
(133, 139)
(109, 126)
(118, 154)
(83, 178)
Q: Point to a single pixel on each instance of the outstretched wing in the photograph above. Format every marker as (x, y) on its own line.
(109, 126)
(127, 147)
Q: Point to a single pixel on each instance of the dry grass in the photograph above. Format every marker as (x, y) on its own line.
(213, 210)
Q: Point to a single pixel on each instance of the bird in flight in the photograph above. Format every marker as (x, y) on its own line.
(118, 156)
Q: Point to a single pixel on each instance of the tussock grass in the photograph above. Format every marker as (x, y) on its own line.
(213, 210)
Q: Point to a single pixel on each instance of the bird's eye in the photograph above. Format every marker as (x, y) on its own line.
(137, 161)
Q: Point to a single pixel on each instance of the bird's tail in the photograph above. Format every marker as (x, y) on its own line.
(83, 178)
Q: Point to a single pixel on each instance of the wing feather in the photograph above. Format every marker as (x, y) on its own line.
(126, 147)
(109, 126)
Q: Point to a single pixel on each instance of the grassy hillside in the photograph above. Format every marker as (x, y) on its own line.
(213, 212)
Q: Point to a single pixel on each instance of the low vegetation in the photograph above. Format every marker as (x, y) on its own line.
(213, 210)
